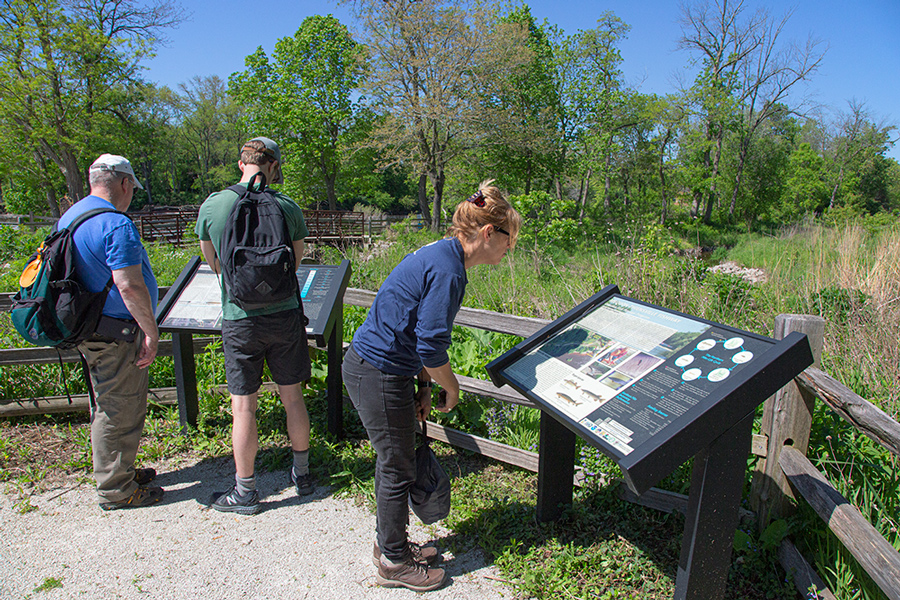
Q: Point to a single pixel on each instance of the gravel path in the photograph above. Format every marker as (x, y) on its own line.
(316, 547)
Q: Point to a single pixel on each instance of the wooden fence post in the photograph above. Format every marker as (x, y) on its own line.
(787, 418)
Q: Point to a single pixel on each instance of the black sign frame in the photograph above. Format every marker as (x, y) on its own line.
(321, 319)
(728, 404)
(325, 328)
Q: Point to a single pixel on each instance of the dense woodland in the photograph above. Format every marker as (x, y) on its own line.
(413, 103)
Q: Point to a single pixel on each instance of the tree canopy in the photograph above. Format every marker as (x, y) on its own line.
(430, 97)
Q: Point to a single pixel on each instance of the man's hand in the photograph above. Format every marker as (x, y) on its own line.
(148, 352)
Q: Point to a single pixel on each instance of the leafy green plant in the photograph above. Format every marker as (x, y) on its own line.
(49, 583)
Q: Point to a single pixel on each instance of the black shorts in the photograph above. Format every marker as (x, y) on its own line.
(278, 339)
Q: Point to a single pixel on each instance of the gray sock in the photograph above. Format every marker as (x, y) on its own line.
(301, 463)
(245, 485)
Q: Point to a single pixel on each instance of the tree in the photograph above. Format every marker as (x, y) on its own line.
(667, 115)
(723, 41)
(304, 96)
(805, 191)
(594, 101)
(520, 126)
(65, 69)
(852, 151)
(764, 79)
(210, 128)
(429, 60)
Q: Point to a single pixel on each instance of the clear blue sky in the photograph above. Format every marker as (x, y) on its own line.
(862, 61)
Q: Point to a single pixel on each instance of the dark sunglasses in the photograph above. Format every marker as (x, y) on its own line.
(501, 230)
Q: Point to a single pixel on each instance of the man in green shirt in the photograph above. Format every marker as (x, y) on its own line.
(275, 334)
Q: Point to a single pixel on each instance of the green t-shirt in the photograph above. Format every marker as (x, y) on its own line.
(210, 224)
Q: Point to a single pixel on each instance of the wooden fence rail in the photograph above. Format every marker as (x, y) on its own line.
(879, 558)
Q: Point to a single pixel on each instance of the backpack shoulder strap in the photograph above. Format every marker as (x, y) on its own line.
(87, 215)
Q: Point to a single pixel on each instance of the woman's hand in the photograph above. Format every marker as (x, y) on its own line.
(423, 403)
(447, 401)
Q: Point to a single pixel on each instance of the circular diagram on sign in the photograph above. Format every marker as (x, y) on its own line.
(683, 361)
(719, 374)
(691, 374)
(706, 344)
(742, 357)
(733, 343)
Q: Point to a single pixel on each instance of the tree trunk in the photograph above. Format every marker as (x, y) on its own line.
(438, 182)
(664, 209)
(606, 180)
(837, 186)
(145, 170)
(713, 191)
(74, 180)
(742, 157)
(582, 200)
(557, 184)
(423, 200)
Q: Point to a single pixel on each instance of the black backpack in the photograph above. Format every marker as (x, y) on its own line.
(52, 307)
(257, 253)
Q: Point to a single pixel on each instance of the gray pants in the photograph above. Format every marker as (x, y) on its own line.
(386, 406)
(117, 420)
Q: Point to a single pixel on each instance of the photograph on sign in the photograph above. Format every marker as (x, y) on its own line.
(625, 371)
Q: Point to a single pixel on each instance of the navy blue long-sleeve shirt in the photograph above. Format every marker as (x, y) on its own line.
(410, 322)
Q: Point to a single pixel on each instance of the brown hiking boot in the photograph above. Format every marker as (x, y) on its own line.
(422, 554)
(143, 496)
(409, 574)
(144, 476)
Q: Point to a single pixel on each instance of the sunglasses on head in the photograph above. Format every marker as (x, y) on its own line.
(477, 199)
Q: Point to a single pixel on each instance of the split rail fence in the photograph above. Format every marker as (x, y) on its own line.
(783, 474)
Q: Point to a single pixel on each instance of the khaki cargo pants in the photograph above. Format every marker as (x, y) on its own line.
(117, 419)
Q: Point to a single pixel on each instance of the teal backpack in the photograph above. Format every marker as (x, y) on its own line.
(52, 307)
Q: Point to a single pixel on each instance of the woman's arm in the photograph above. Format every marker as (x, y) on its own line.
(445, 378)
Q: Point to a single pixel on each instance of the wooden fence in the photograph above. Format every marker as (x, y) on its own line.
(30, 221)
(175, 225)
(169, 225)
(335, 227)
(782, 473)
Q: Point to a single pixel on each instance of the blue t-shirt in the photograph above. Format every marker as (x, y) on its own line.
(410, 322)
(107, 242)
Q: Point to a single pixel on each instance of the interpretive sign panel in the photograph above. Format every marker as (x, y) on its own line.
(199, 305)
(194, 303)
(647, 385)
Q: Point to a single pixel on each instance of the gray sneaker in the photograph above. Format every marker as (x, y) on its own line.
(423, 554)
(305, 484)
(247, 504)
(409, 574)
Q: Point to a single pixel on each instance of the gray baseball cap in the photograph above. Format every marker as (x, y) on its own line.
(114, 162)
(273, 152)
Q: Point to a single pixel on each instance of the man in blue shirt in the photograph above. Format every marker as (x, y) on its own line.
(125, 343)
